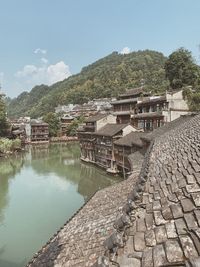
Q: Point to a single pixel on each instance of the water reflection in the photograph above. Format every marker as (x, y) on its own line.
(8, 169)
(39, 191)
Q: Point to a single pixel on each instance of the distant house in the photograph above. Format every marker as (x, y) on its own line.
(37, 131)
(65, 120)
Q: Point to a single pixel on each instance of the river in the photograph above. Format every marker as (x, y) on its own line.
(39, 190)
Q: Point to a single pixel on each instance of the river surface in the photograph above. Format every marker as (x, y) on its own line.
(39, 190)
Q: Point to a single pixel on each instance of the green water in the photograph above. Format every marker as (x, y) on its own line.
(39, 191)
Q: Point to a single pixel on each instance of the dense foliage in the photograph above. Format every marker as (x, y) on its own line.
(54, 123)
(7, 145)
(106, 77)
(181, 69)
(3, 117)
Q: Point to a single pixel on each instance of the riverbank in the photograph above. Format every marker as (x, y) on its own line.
(9, 147)
(63, 139)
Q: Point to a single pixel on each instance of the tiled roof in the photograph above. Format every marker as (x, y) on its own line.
(130, 139)
(124, 101)
(167, 127)
(148, 115)
(96, 117)
(110, 129)
(134, 91)
(150, 221)
(166, 224)
(151, 100)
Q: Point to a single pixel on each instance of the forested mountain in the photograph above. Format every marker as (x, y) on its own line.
(106, 77)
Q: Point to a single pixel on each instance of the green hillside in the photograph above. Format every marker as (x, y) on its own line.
(106, 77)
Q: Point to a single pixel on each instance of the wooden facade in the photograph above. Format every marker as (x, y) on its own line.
(39, 132)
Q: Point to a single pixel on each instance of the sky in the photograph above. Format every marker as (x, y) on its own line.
(45, 41)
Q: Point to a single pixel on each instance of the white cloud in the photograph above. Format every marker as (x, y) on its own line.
(28, 70)
(40, 51)
(57, 72)
(32, 75)
(44, 60)
(125, 50)
(1, 77)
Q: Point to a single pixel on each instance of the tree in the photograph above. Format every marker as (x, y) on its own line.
(54, 123)
(3, 117)
(181, 70)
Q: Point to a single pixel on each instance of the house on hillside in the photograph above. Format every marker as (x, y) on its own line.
(126, 104)
(155, 111)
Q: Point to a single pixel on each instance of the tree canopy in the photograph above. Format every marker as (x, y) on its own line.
(181, 69)
(54, 123)
(3, 117)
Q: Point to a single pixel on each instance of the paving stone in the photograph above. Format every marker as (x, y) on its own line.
(141, 227)
(159, 220)
(190, 179)
(159, 257)
(197, 215)
(149, 220)
(190, 220)
(188, 247)
(156, 205)
(150, 238)
(126, 261)
(139, 242)
(173, 251)
(187, 205)
(166, 212)
(196, 199)
(147, 258)
(160, 234)
(171, 230)
(193, 188)
(176, 211)
(180, 226)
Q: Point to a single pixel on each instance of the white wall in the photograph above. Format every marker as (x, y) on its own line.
(176, 101)
(107, 119)
(128, 129)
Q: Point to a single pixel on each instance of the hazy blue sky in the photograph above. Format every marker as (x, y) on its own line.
(43, 41)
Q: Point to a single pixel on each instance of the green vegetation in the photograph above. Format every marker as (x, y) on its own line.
(3, 117)
(7, 145)
(110, 76)
(72, 128)
(106, 77)
(54, 123)
(181, 69)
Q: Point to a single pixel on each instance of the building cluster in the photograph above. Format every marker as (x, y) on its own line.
(30, 130)
(109, 140)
